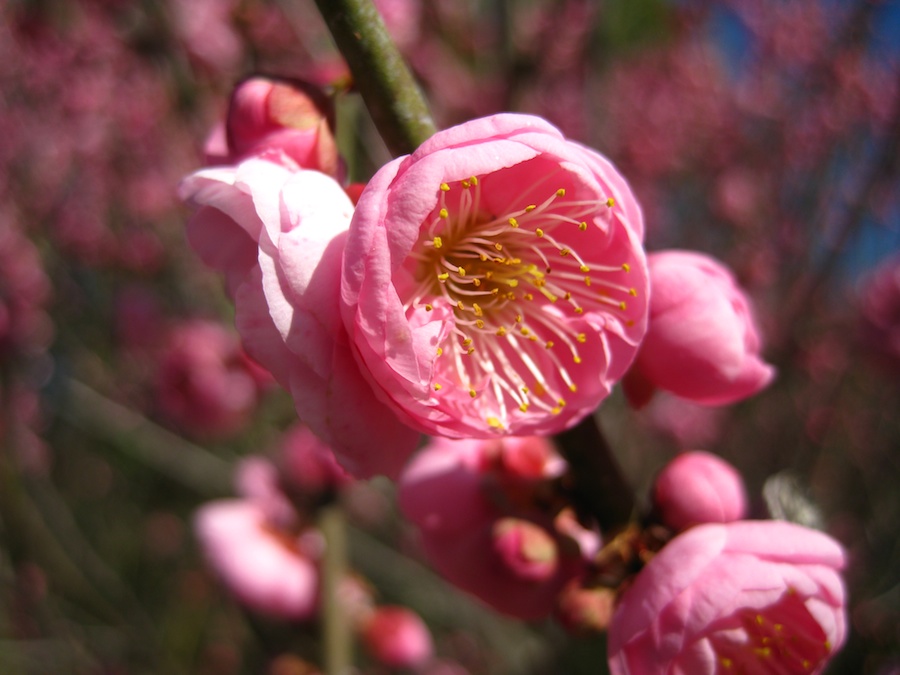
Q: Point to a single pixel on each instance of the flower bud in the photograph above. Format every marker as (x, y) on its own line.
(525, 550)
(702, 342)
(397, 637)
(698, 487)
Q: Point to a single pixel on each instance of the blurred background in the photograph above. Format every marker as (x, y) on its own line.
(763, 133)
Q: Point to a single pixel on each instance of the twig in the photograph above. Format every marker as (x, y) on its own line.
(392, 96)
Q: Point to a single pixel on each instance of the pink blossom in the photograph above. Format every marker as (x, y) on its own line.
(494, 281)
(749, 596)
(266, 568)
(397, 637)
(307, 464)
(698, 487)
(287, 120)
(203, 384)
(278, 235)
(702, 342)
(485, 528)
(880, 313)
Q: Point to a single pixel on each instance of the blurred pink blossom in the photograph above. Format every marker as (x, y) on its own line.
(278, 235)
(207, 30)
(397, 637)
(447, 292)
(698, 487)
(266, 568)
(204, 382)
(702, 342)
(486, 529)
(307, 464)
(879, 308)
(748, 596)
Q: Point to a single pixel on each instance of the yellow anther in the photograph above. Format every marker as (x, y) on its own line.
(461, 271)
(443, 213)
(525, 390)
(632, 292)
(579, 310)
(444, 276)
(471, 350)
(760, 620)
(473, 180)
(488, 275)
(495, 291)
(585, 269)
(518, 318)
(626, 267)
(477, 282)
(530, 208)
(466, 184)
(477, 308)
(513, 222)
(499, 247)
(483, 257)
(561, 402)
(533, 338)
(539, 232)
(573, 388)
(568, 296)
(437, 242)
(561, 192)
(528, 296)
(610, 202)
(581, 337)
(556, 410)
(479, 323)
(623, 306)
(524, 331)
(778, 627)
(501, 331)
(437, 386)
(582, 226)
(512, 283)
(459, 305)
(440, 351)
(445, 187)
(549, 344)
(564, 251)
(726, 662)
(523, 407)
(763, 651)
(539, 389)
(587, 281)
(473, 393)
(494, 423)
(428, 308)
(576, 359)
(540, 282)
(467, 342)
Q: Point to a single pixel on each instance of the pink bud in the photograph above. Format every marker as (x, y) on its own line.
(525, 550)
(702, 342)
(289, 116)
(698, 487)
(749, 596)
(585, 610)
(397, 637)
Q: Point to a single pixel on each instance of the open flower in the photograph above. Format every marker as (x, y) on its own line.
(702, 343)
(278, 235)
(494, 280)
(742, 597)
(486, 524)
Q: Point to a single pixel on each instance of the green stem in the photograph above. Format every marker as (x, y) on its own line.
(392, 96)
(337, 644)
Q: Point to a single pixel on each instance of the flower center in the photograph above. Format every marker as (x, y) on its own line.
(519, 281)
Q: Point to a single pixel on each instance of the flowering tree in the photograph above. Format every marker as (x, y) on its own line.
(488, 348)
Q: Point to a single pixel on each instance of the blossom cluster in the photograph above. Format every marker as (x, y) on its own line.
(489, 290)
